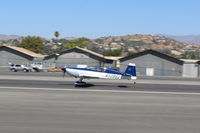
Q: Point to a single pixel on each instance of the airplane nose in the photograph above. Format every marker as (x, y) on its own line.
(72, 72)
(69, 71)
(64, 70)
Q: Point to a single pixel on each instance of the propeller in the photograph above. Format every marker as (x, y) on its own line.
(64, 71)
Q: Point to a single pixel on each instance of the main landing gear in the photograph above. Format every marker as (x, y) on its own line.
(80, 83)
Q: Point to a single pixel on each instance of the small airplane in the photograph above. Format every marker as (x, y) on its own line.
(105, 73)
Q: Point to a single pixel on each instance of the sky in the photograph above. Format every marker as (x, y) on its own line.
(99, 18)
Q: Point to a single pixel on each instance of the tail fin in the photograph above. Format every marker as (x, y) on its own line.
(131, 70)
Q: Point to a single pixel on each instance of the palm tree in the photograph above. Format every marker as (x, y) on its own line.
(56, 34)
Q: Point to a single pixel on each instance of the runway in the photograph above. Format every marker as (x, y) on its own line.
(123, 85)
(43, 104)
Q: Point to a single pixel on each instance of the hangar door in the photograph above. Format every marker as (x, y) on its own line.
(150, 71)
(190, 70)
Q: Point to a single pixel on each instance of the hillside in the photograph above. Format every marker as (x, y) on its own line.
(8, 37)
(128, 44)
(135, 43)
(191, 39)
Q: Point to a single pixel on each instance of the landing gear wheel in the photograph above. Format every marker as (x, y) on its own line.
(80, 84)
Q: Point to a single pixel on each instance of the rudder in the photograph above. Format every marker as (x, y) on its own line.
(131, 69)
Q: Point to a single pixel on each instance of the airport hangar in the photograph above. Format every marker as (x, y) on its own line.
(153, 63)
(77, 56)
(17, 55)
(148, 62)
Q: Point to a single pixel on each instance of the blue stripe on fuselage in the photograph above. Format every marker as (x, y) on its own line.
(108, 70)
(112, 71)
(85, 69)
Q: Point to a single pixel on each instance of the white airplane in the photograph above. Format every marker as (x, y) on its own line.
(106, 73)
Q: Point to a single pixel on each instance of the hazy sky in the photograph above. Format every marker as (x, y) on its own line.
(97, 18)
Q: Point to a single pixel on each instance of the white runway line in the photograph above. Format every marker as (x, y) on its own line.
(109, 91)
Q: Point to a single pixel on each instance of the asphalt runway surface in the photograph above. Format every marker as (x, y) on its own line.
(47, 103)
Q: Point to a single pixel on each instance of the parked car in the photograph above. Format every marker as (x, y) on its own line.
(15, 68)
(37, 67)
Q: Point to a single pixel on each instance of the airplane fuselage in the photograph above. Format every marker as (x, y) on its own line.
(106, 73)
(91, 74)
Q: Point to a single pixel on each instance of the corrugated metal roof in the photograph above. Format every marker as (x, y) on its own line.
(91, 52)
(26, 51)
(153, 52)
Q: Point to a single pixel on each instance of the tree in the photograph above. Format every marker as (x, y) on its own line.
(56, 34)
(80, 42)
(130, 53)
(193, 56)
(1, 45)
(116, 52)
(32, 43)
